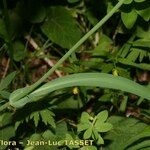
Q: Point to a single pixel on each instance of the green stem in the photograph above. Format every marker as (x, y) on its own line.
(17, 95)
(78, 44)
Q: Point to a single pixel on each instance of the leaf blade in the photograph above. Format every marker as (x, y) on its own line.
(7, 80)
(102, 80)
(61, 28)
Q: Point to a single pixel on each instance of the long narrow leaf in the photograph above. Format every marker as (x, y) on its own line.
(102, 80)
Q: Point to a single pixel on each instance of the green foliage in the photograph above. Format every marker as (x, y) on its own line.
(129, 18)
(103, 47)
(107, 69)
(82, 79)
(128, 1)
(60, 27)
(7, 130)
(94, 126)
(37, 14)
(19, 51)
(6, 134)
(4, 83)
(126, 133)
(131, 12)
(46, 116)
(88, 148)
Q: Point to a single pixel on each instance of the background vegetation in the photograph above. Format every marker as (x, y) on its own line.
(35, 34)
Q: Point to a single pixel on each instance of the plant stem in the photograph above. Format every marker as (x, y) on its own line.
(29, 89)
(78, 44)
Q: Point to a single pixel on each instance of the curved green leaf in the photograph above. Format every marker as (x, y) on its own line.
(82, 127)
(139, 1)
(102, 80)
(128, 1)
(129, 18)
(7, 80)
(85, 117)
(102, 116)
(103, 127)
(87, 133)
(144, 13)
